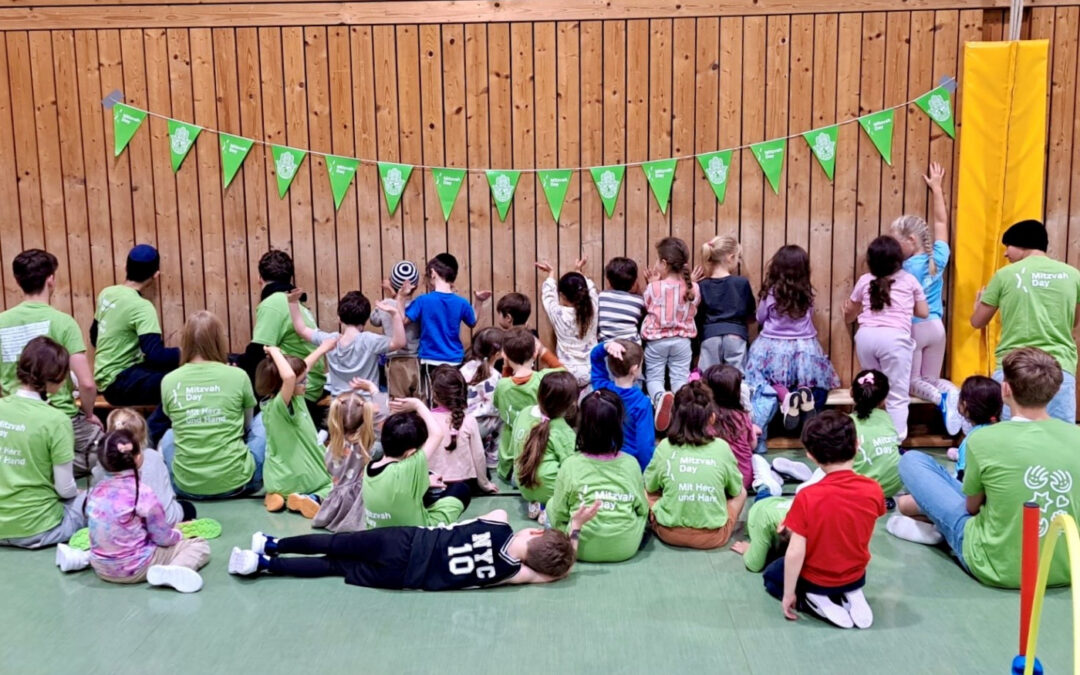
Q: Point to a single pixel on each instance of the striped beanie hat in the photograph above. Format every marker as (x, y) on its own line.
(404, 271)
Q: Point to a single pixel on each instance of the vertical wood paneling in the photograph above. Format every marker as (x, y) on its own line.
(504, 95)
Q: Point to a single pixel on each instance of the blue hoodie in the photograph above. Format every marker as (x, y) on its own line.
(639, 434)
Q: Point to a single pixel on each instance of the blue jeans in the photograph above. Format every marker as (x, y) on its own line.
(1062, 406)
(773, 577)
(939, 495)
(763, 407)
(256, 443)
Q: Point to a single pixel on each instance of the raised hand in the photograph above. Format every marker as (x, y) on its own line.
(937, 172)
(294, 295)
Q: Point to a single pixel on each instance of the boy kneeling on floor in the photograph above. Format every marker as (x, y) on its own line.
(831, 523)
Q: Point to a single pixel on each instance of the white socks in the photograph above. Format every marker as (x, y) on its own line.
(71, 559)
(911, 529)
(243, 562)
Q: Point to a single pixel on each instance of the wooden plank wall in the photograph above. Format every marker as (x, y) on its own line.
(542, 93)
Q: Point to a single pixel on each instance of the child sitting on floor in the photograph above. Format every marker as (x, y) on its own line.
(395, 487)
(543, 439)
(482, 376)
(981, 405)
(294, 473)
(599, 472)
(831, 523)
(879, 446)
(152, 471)
(460, 458)
(768, 536)
(616, 366)
(351, 424)
(130, 539)
(732, 423)
(695, 488)
(517, 391)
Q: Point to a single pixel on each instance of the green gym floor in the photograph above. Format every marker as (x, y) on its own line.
(666, 611)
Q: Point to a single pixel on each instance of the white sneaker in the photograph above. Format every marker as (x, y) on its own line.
(534, 510)
(71, 559)
(792, 469)
(953, 419)
(258, 543)
(823, 607)
(183, 579)
(858, 609)
(765, 478)
(243, 562)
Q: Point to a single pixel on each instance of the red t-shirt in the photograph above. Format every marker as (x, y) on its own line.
(837, 517)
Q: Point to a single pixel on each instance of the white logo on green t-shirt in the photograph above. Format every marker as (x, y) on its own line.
(1055, 499)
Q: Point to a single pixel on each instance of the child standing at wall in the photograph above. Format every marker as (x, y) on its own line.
(402, 366)
(883, 301)
(831, 523)
(727, 303)
(671, 301)
(460, 458)
(482, 376)
(599, 472)
(131, 540)
(731, 422)
(879, 447)
(695, 488)
(786, 360)
(571, 306)
(925, 258)
(351, 424)
(620, 308)
(295, 473)
(543, 440)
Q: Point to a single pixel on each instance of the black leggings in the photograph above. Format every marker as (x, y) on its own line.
(462, 491)
(371, 554)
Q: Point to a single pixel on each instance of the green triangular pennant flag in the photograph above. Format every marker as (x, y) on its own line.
(503, 184)
(181, 140)
(938, 105)
(770, 155)
(608, 181)
(879, 127)
(394, 177)
(555, 183)
(126, 121)
(447, 186)
(823, 144)
(233, 151)
(716, 166)
(341, 171)
(286, 163)
(660, 174)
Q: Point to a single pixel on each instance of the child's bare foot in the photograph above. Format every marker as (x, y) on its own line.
(274, 502)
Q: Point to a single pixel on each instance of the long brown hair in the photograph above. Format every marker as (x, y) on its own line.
(43, 361)
(885, 258)
(788, 279)
(725, 382)
(119, 452)
(203, 337)
(556, 398)
(350, 422)
(448, 390)
(485, 344)
(575, 288)
(676, 254)
(267, 378)
(691, 416)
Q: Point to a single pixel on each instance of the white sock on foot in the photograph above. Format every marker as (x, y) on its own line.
(71, 559)
(243, 562)
(792, 469)
(859, 609)
(183, 579)
(816, 476)
(258, 542)
(911, 529)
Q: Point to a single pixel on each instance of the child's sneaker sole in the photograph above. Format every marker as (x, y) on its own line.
(274, 502)
(663, 411)
(182, 579)
(792, 411)
(305, 505)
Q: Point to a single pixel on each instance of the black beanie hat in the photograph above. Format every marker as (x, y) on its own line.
(1029, 234)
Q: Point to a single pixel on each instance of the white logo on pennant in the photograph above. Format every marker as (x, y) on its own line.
(824, 147)
(502, 189)
(181, 141)
(286, 166)
(940, 110)
(1055, 497)
(393, 183)
(608, 185)
(717, 171)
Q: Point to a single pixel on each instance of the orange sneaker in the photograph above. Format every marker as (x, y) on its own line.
(274, 502)
(307, 505)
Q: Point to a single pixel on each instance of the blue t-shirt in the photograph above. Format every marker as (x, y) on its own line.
(918, 266)
(639, 433)
(440, 316)
(961, 452)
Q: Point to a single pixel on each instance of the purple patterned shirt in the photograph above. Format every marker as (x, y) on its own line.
(121, 543)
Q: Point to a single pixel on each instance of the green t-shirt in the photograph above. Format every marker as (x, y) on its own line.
(1012, 463)
(273, 326)
(695, 483)
(295, 461)
(560, 445)
(33, 439)
(761, 523)
(206, 402)
(122, 316)
(879, 454)
(510, 399)
(1037, 298)
(394, 496)
(26, 321)
(615, 533)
